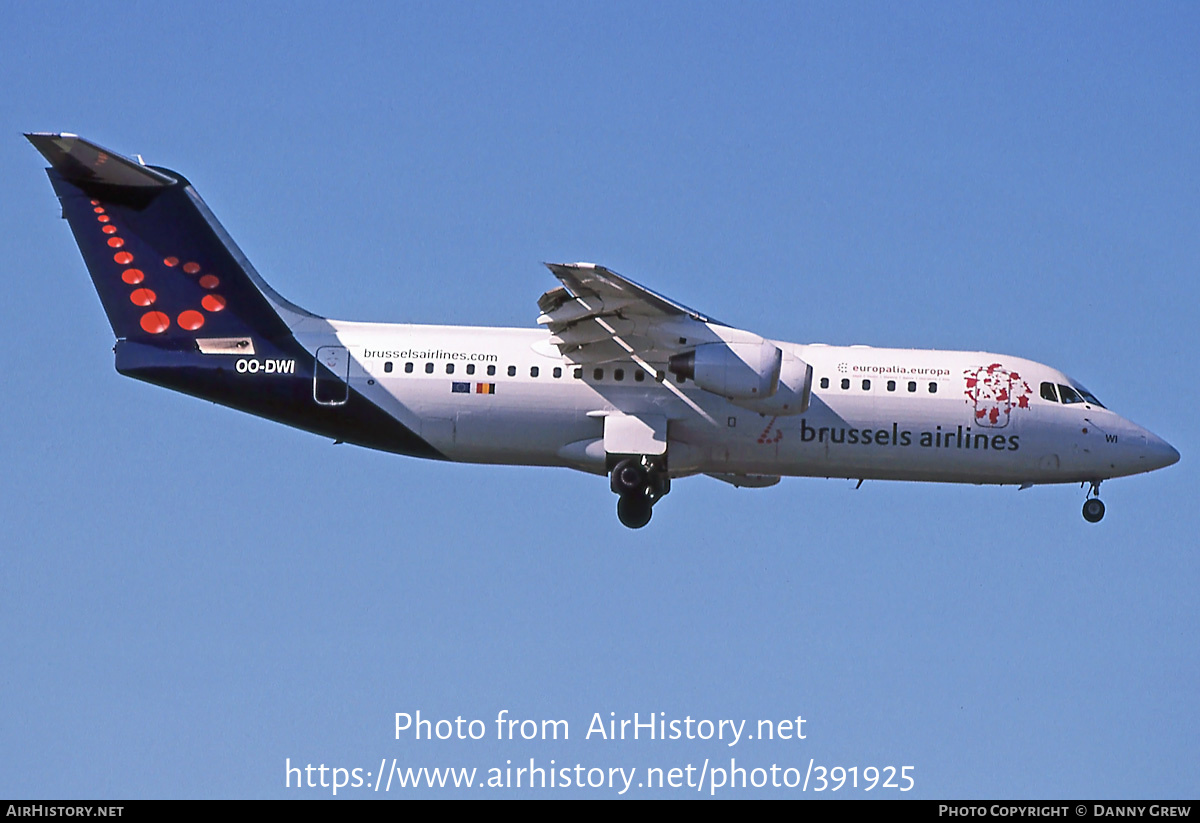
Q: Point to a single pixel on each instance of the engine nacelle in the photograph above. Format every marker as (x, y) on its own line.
(794, 392)
(739, 371)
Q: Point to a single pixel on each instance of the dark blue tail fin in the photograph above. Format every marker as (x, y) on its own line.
(165, 270)
(189, 311)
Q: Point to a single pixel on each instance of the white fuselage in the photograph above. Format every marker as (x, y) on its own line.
(900, 414)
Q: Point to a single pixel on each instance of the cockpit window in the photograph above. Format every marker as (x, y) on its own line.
(1069, 395)
(1090, 398)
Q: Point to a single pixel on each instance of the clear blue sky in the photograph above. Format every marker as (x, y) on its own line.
(190, 596)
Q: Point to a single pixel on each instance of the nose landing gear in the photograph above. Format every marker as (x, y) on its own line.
(640, 482)
(1093, 507)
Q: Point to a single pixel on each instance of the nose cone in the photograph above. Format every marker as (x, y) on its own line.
(1159, 453)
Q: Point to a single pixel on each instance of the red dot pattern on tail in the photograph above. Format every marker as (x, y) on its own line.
(157, 322)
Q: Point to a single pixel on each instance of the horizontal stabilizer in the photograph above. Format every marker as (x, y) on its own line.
(82, 161)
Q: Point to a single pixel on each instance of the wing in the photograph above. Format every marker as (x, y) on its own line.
(597, 316)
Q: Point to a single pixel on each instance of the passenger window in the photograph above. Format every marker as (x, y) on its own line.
(598, 374)
(933, 388)
(470, 368)
(891, 385)
(449, 368)
(512, 371)
(824, 382)
(639, 375)
(579, 373)
(491, 371)
(533, 371)
(912, 385)
(866, 385)
(557, 371)
(845, 383)
(1049, 392)
(429, 368)
(619, 374)
(387, 367)
(1069, 395)
(408, 367)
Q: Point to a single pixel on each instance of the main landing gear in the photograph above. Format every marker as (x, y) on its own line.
(640, 482)
(1093, 508)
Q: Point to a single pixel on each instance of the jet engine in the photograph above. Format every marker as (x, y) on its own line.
(754, 375)
(794, 392)
(739, 371)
